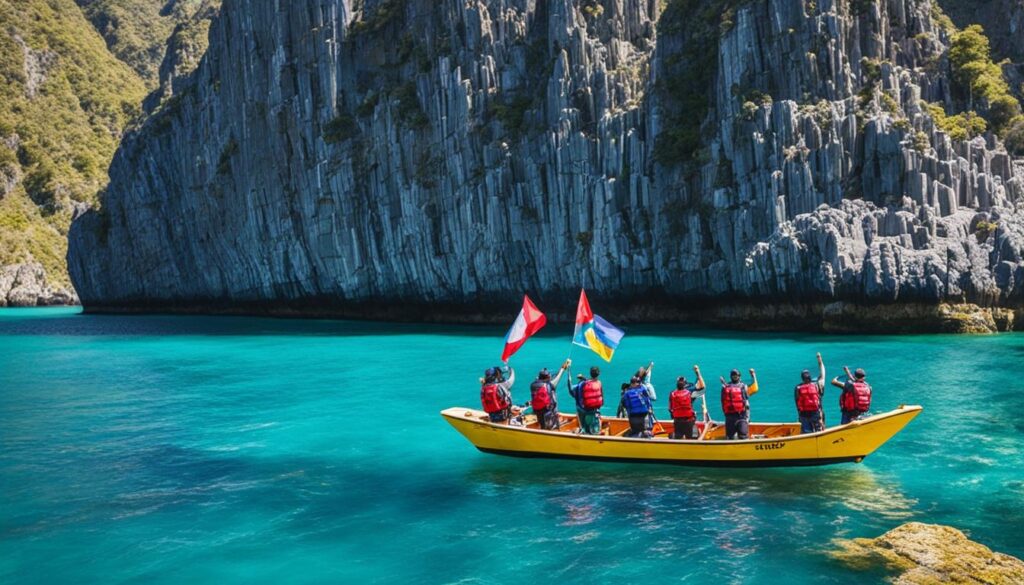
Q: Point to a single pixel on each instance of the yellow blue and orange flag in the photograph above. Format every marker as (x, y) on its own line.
(593, 332)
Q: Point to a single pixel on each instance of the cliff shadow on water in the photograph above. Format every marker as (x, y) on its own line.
(757, 164)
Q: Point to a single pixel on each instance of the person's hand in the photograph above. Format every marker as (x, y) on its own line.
(696, 368)
(819, 357)
(752, 373)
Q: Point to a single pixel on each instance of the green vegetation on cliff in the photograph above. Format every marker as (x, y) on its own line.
(978, 81)
(64, 101)
(136, 31)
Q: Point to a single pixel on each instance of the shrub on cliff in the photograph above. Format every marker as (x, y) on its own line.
(980, 81)
(1014, 137)
(962, 126)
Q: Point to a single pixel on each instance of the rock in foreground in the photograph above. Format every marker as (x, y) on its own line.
(931, 553)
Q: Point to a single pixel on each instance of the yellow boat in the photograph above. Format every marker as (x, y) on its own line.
(770, 445)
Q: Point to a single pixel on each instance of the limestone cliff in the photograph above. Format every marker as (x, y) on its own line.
(330, 157)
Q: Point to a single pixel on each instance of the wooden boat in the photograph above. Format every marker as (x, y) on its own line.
(770, 445)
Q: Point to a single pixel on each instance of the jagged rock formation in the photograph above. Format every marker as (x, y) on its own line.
(25, 285)
(335, 159)
(923, 554)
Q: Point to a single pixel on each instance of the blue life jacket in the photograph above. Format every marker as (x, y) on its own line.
(635, 400)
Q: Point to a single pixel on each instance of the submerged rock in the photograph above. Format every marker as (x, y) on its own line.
(923, 554)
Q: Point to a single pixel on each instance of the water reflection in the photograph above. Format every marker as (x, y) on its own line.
(697, 490)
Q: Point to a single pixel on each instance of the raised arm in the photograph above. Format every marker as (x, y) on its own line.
(647, 372)
(562, 370)
(821, 374)
(507, 384)
(753, 388)
(700, 379)
(837, 383)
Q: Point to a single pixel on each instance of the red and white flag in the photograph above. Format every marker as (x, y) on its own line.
(529, 321)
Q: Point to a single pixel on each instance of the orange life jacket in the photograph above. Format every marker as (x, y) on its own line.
(807, 397)
(680, 404)
(493, 399)
(733, 399)
(592, 395)
(857, 400)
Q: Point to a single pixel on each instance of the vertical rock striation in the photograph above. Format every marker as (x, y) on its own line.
(333, 158)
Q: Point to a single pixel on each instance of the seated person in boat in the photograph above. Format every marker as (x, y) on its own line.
(589, 396)
(855, 399)
(496, 394)
(680, 406)
(736, 404)
(809, 395)
(543, 400)
(636, 402)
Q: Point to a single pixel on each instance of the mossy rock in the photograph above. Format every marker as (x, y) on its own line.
(920, 554)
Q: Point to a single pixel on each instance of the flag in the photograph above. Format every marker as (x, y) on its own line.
(529, 321)
(593, 332)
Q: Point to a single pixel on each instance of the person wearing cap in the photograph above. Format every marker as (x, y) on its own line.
(589, 396)
(736, 404)
(496, 394)
(855, 399)
(680, 405)
(636, 404)
(809, 395)
(543, 399)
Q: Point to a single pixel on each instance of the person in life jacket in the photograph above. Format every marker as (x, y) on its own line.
(809, 395)
(644, 374)
(543, 400)
(496, 394)
(636, 403)
(855, 399)
(736, 404)
(589, 396)
(680, 406)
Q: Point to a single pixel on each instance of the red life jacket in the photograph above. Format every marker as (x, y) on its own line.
(732, 399)
(857, 400)
(493, 399)
(592, 395)
(807, 397)
(540, 395)
(680, 404)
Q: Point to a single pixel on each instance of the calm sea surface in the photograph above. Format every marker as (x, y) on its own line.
(213, 450)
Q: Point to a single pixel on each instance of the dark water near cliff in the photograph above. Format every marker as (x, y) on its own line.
(170, 449)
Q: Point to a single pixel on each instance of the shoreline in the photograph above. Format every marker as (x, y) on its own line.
(839, 317)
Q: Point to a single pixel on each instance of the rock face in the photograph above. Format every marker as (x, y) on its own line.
(333, 158)
(928, 553)
(25, 285)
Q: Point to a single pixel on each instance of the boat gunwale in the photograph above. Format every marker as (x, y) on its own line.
(901, 410)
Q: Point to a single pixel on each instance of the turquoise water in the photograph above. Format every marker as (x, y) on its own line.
(196, 450)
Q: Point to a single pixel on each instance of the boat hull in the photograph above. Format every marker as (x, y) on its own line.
(781, 446)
